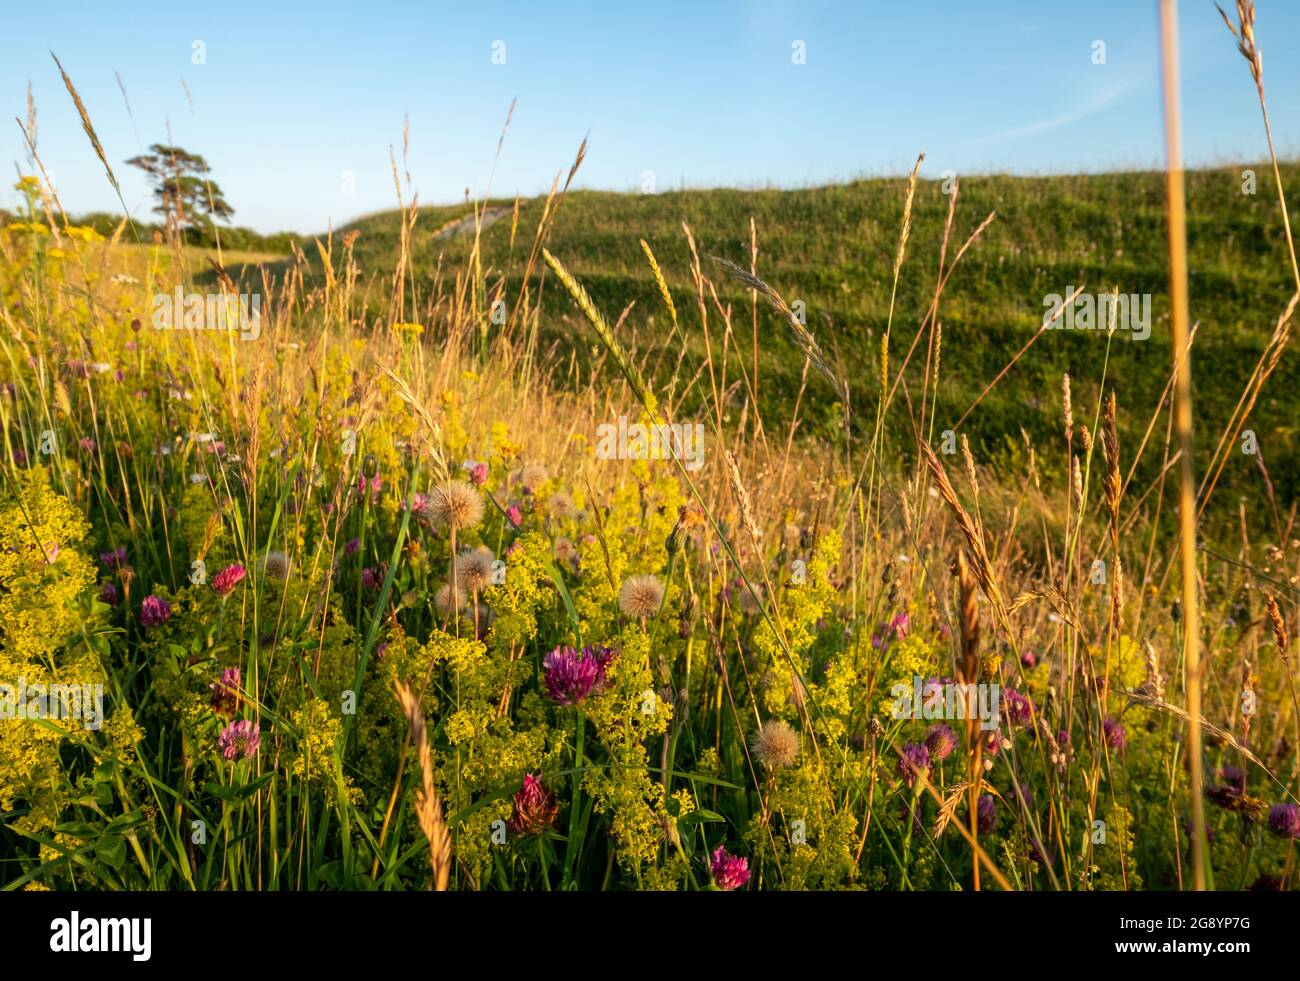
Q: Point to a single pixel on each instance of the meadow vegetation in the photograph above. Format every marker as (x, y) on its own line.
(370, 611)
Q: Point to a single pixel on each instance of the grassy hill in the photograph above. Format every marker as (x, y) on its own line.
(833, 247)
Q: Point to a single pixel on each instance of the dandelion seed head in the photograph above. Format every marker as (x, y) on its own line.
(456, 505)
(474, 569)
(446, 597)
(532, 476)
(276, 565)
(776, 744)
(565, 551)
(561, 507)
(641, 596)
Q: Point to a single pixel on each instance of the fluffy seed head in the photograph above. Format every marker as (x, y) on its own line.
(276, 565)
(565, 551)
(456, 504)
(561, 507)
(532, 476)
(474, 569)
(446, 597)
(641, 596)
(776, 744)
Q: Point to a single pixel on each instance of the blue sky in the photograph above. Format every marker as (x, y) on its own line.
(292, 97)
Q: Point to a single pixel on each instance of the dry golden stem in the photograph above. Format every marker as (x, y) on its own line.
(1183, 424)
(428, 805)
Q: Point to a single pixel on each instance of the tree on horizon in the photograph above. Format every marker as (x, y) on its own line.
(188, 199)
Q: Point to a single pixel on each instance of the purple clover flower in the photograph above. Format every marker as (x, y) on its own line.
(116, 559)
(1284, 820)
(940, 741)
(914, 762)
(730, 872)
(1233, 776)
(901, 625)
(572, 676)
(1016, 708)
(225, 581)
(239, 740)
(225, 692)
(155, 611)
(535, 807)
(1114, 733)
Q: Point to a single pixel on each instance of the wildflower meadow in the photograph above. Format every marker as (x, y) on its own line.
(434, 563)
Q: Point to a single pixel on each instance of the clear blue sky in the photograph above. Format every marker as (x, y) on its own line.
(702, 93)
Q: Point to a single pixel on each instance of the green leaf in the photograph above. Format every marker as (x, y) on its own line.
(77, 829)
(557, 580)
(331, 873)
(111, 850)
(221, 791)
(125, 822)
(700, 816)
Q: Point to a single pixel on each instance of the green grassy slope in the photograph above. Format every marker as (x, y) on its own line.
(833, 247)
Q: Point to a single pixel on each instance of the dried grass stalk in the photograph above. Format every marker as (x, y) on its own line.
(428, 805)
